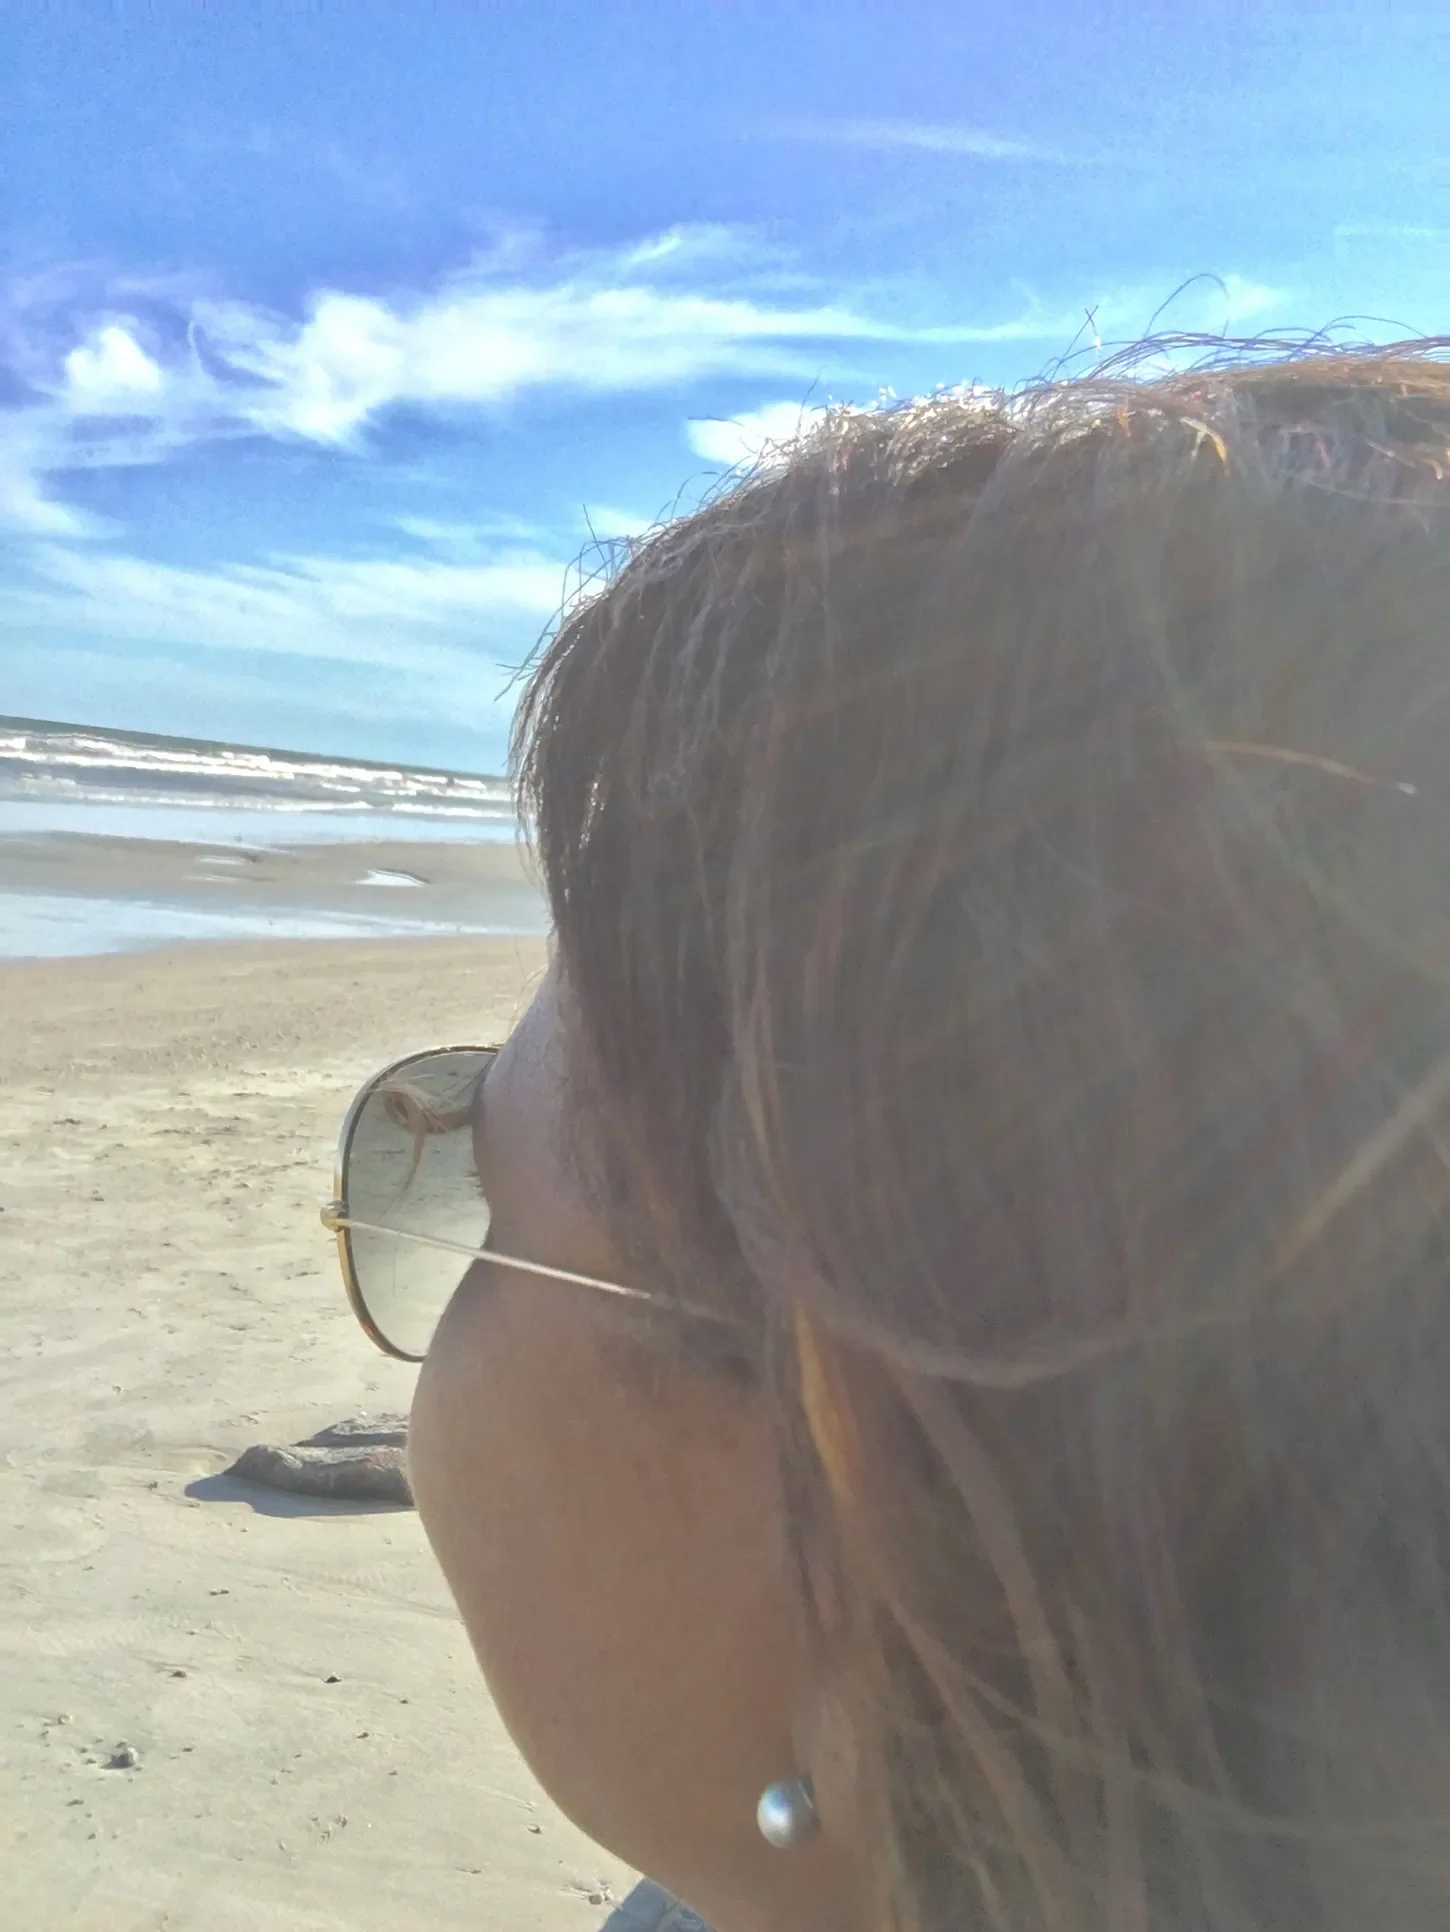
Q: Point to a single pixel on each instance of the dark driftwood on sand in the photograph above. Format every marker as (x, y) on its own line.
(361, 1460)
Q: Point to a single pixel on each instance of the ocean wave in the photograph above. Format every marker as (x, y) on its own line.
(63, 764)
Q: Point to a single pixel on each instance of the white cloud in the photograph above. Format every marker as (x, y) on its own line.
(1203, 304)
(693, 246)
(1389, 231)
(1207, 305)
(608, 523)
(355, 355)
(1243, 300)
(475, 537)
(1210, 304)
(480, 538)
(660, 314)
(372, 590)
(111, 374)
(927, 137)
(235, 698)
(420, 613)
(681, 308)
(26, 508)
(132, 375)
(684, 307)
(26, 511)
(748, 437)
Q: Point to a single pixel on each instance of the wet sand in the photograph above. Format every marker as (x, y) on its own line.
(314, 1748)
(129, 887)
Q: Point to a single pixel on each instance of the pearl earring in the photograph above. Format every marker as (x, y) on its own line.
(786, 1813)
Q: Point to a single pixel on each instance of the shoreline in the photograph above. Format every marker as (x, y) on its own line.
(67, 894)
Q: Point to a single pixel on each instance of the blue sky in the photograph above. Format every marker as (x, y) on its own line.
(331, 335)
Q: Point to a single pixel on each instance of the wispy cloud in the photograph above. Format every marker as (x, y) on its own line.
(29, 448)
(420, 612)
(928, 137)
(326, 378)
(116, 379)
(748, 437)
(608, 523)
(480, 535)
(1396, 231)
(122, 388)
(24, 510)
(684, 307)
(354, 356)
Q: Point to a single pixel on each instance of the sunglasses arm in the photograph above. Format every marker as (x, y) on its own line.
(337, 1222)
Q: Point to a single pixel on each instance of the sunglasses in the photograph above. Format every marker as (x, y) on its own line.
(408, 1206)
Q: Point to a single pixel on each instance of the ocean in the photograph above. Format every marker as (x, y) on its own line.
(118, 841)
(82, 778)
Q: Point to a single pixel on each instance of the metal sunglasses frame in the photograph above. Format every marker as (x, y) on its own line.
(340, 1223)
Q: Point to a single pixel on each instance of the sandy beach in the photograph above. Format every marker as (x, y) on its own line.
(315, 1751)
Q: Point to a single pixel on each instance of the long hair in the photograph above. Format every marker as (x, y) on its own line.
(1000, 856)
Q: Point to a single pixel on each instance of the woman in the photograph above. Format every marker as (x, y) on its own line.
(1000, 863)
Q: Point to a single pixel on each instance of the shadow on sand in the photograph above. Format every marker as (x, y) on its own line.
(278, 1502)
(651, 1909)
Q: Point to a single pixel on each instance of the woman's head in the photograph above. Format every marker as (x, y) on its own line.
(998, 858)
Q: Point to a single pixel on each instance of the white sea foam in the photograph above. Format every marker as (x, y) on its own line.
(55, 769)
(236, 825)
(62, 925)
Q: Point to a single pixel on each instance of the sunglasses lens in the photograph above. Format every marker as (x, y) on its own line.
(408, 1165)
